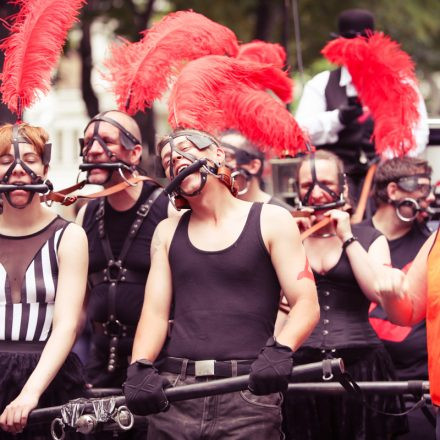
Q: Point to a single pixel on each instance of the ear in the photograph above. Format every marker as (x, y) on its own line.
(135, 154)
(392, 191)
(220, 155)
(254, 166)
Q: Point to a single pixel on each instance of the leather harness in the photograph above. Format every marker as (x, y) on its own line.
(115, 273)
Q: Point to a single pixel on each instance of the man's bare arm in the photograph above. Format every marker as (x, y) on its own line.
(282, 238)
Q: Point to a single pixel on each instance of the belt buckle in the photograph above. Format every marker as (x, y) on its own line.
(204, 368)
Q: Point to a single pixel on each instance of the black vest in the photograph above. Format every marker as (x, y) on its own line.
(353, 139)
(225, 302)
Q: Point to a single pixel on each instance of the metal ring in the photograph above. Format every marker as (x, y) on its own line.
(406, 202)
(124, 178)
(327, 376)
(123, 410)
(61, 427)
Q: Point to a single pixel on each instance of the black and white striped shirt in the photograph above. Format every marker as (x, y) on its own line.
(28, 282)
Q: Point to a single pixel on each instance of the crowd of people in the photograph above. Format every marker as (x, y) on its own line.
(211, 277)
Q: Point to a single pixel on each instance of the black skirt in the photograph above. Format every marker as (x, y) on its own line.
(15, 369)
(343, 417)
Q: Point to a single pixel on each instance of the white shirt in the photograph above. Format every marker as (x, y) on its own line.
(323, 126)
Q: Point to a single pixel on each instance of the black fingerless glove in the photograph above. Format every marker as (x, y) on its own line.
(350, 111)
(271, 371)
(144, 389)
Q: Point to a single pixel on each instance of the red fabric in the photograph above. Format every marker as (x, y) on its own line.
(140, 72)
(33, 48)
(433, 321)
(384, 77)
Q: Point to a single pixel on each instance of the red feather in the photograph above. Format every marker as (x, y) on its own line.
(33, 48)
(216, 93)
(262, 52)
(140, 72)
(384, 77)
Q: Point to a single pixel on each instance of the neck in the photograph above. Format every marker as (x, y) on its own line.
(214, 200)
(386, 221)
(126, 199)
(27, 220)
(255, 193)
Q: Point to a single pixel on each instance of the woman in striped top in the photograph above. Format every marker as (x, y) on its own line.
(43, 268)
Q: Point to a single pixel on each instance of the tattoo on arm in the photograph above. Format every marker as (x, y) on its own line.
(306, 273)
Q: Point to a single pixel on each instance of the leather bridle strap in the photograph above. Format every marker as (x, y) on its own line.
(363, 199)
(66, 200)
(315, 227)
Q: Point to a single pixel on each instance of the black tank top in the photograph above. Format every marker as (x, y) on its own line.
(225, 302)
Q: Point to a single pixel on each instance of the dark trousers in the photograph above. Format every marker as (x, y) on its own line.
(233, 416)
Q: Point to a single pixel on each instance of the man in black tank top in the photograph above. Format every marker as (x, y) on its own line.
(402, 194)
(330, 111)
(119, 229)
(221, 266)
(247, 164)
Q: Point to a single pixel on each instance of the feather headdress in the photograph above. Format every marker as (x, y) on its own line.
(140, 72)
(33, 48)
(215, 93)
(383, 75)
(263, 52)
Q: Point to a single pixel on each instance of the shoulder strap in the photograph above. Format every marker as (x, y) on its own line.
(115, 271)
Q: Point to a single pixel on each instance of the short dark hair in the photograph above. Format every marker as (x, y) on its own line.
(391, 170)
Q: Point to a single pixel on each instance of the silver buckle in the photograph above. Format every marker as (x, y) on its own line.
(204, 368)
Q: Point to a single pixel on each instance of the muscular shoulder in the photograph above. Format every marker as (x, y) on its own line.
(277, 222)
(164, 232)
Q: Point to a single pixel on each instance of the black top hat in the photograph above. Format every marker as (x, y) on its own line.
(353, 22)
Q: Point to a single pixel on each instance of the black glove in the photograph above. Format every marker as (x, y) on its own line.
(350, 111)
(271, 371)
(144, 389)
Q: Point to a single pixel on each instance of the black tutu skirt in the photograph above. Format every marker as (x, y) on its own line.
(344, 417)
(15, 369)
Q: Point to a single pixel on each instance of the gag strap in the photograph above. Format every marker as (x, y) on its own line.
(37, 185)
(116, 273)
(339, 199)
(200, 141)
(127, 140)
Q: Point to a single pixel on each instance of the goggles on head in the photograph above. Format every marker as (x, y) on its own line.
(126, 139)
(201, 141)
(37, 185)
(338, 197)
(411, 184)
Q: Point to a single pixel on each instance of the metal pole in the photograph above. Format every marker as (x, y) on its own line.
(193, 391)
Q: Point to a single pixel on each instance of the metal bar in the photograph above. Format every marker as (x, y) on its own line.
(382, 388)
(214, 387)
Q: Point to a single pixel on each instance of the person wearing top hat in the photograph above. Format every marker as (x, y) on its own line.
(330, 111)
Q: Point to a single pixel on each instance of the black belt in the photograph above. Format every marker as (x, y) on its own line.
(127, 276)
(21, 346)
(205, 367)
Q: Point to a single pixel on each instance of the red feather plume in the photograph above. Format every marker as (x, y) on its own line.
(140, 72)
(263, 52)
(216, 93)
(384, 77)
(33, 48)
